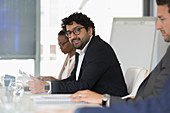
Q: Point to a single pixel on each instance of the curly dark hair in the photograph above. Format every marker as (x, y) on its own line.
(79, 18)
(61, 33)
(164, 2)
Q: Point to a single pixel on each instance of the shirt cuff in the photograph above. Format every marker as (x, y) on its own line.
(108, 103)
(49, 83)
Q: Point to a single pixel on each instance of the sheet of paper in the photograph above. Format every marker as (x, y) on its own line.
(25, 75)
(54, 98)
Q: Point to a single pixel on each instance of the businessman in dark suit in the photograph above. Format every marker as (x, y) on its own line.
(152, 85)
(97, 66)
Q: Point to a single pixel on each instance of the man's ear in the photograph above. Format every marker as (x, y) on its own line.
(90, 31)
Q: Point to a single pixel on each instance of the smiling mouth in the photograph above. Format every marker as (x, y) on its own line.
(75, 41)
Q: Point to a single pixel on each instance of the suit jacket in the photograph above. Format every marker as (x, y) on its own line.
(63, 68)
(100, 72)
(153, 84)
(152, 105)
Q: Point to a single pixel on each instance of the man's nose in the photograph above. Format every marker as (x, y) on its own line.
(158, 25)
(72, 36)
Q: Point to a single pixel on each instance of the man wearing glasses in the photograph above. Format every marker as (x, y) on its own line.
(96, 65)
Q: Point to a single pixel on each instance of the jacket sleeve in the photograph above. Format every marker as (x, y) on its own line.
(148, 106)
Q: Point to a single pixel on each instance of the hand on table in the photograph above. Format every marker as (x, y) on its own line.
(87, 96)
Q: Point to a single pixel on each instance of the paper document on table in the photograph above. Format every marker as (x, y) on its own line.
(25, 75)
(54, 98)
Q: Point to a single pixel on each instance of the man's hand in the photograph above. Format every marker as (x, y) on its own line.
(46, 78)
(36, 86)
(87, 96)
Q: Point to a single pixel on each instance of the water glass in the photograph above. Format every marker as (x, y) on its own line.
(16, 88)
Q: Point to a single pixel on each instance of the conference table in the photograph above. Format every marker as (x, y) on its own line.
(26, 103)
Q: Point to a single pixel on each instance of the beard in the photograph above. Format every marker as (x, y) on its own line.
(167, 39)
(78, 45)
(166, 36)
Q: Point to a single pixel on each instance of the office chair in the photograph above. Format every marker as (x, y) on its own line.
(133, 78)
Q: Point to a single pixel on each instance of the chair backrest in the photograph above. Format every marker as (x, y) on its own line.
(133, 78)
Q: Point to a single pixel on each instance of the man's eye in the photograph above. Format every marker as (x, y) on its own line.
(78, 29)
(162, 19)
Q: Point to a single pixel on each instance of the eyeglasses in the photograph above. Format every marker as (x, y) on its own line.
(62, 44)
(75, 31)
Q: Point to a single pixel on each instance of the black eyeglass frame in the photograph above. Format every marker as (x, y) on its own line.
(75, 31)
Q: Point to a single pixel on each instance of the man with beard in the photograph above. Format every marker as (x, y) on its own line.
(96, 65)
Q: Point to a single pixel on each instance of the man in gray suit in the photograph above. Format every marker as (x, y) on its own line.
(151, 86)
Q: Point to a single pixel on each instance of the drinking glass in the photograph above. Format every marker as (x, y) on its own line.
(16, 88)
(11, 87)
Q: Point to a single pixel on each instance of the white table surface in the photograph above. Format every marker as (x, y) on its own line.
(25, 103)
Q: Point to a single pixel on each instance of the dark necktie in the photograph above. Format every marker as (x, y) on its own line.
(76, 61)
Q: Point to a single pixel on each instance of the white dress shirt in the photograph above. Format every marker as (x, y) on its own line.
(81, 57)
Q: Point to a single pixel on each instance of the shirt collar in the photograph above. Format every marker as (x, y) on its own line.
(85, 47)
(71, 58)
